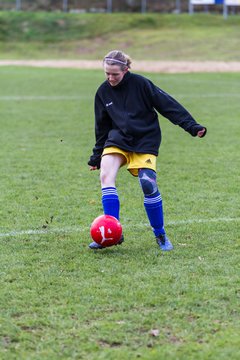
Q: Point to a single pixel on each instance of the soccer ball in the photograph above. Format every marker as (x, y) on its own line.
(106, 230)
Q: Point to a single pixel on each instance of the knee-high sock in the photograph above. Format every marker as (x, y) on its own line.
(154, 209)
(110, 201)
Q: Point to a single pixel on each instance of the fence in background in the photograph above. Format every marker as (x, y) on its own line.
(143, 6)
(96, 5)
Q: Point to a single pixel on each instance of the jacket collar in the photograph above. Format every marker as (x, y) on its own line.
(122, 82)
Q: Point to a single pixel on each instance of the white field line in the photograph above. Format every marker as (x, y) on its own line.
(208, 95)
(74, 229)
(84, 97)
(42, 98)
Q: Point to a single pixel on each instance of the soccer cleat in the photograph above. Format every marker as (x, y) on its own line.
(93, 245)
(164, 243)
(96, 246)
(121, 240)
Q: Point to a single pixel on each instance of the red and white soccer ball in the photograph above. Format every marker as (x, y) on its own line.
(106, 230)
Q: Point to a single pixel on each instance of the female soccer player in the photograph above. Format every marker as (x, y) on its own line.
(127, 132)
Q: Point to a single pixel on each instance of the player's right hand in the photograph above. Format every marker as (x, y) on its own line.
(202, 133)
(91, 168)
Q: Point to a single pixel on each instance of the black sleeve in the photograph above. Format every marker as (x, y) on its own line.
(168, 107)
(102, 127)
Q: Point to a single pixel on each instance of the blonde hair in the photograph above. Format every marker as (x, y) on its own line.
(117, 57)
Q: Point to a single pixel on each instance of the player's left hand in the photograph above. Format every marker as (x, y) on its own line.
(201, 133)
(92, 168)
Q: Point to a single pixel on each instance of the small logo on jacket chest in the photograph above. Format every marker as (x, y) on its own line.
(109, 104)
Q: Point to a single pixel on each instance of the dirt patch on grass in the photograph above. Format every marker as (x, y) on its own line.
(146, 66)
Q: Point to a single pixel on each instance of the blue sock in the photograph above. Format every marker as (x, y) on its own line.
(154, 209)
(110, 201)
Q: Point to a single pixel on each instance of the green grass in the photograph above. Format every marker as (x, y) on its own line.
(89, 36)
(59, 300)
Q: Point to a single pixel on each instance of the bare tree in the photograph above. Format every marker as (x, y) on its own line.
(18, 5)
(109, 6)
(65, 5)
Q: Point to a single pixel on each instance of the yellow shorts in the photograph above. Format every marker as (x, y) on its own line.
(134, 160)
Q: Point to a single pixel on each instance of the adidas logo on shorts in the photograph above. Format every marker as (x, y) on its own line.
(148, 161)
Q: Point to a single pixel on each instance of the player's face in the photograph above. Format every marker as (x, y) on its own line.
(114, 74)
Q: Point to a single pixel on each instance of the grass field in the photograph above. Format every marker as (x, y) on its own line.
(58, 299)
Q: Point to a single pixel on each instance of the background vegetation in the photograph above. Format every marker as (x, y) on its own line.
(89, 36)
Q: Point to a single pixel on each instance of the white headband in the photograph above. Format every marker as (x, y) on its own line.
(115, 60)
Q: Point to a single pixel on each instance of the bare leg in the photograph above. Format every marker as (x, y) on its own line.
(110, 165)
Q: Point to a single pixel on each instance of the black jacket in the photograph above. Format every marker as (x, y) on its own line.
(126, 116)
